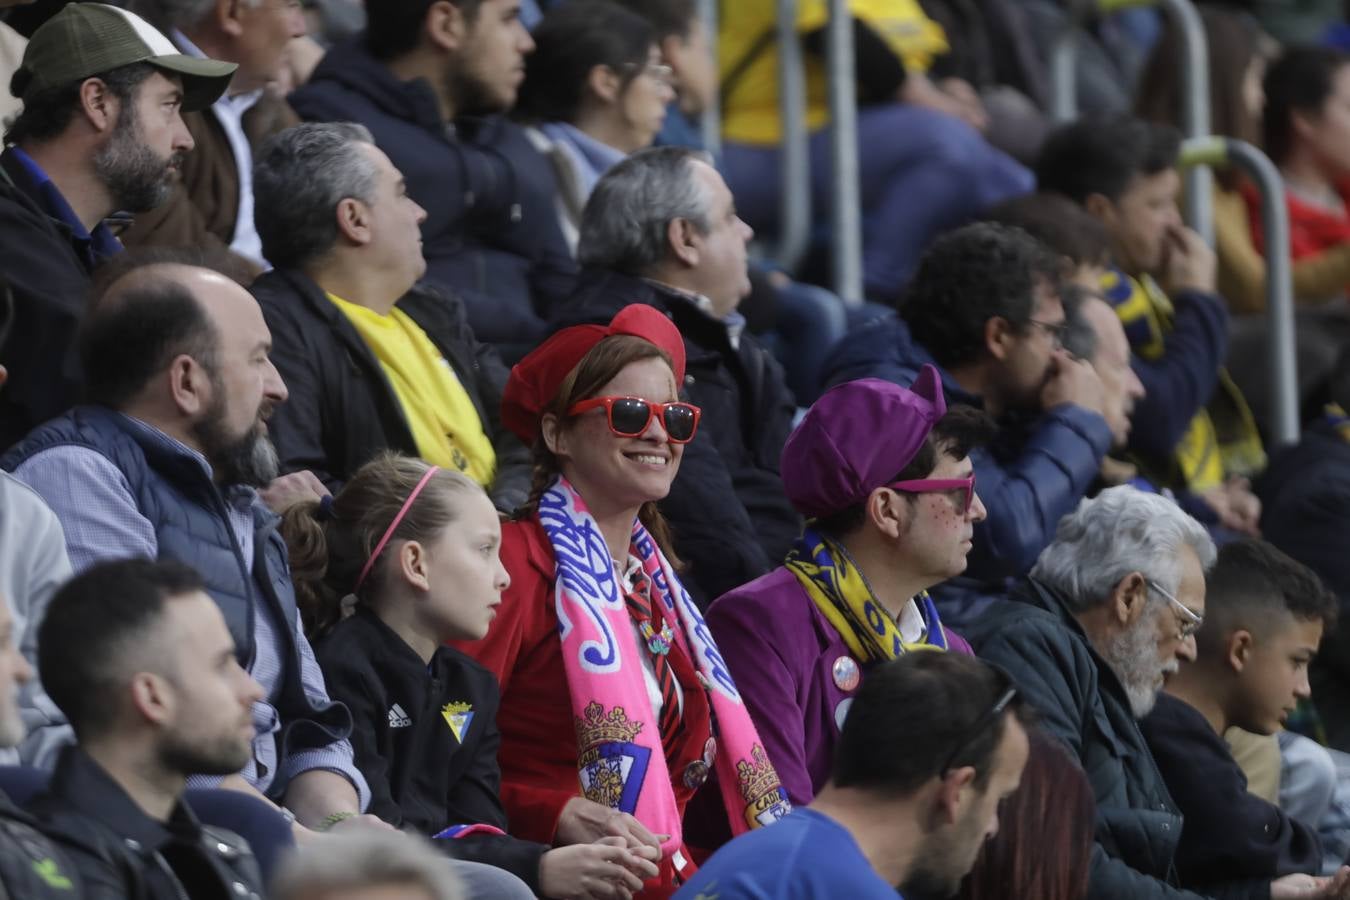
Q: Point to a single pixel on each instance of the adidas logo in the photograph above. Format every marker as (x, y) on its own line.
(398, 718)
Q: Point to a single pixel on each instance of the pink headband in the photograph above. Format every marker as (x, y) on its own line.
(393, 526)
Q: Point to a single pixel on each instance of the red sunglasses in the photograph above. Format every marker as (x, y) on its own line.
(939, 485)
(632, 416)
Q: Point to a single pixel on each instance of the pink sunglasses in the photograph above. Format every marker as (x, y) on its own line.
(938, 485)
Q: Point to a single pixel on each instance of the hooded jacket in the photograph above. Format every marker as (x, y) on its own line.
(491, 233)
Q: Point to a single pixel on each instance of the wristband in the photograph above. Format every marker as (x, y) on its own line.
(330, 820)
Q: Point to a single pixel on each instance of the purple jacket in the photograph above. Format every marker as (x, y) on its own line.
(781, 650)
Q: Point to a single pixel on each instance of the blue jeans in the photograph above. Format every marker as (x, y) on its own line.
(921, 172)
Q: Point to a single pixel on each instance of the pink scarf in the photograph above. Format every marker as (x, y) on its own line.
(620, 761)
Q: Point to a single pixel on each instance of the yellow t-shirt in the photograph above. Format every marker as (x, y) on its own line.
(444, 422)
(750, 113)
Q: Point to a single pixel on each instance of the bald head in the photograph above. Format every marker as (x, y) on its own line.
(143, 321)
(1111, 361)
(185, 348)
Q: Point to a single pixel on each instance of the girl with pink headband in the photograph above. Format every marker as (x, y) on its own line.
(402, 560)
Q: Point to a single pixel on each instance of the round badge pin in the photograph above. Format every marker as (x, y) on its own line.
(695, 774)
(846, 673)
(841, 712)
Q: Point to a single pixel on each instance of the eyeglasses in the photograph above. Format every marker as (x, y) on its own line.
(989, 717)
(632, 416)
(939, 485)
(658, 71)
(1056, 330)
(1193, 620)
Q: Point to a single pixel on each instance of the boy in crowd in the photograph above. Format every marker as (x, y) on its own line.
(1264, 617)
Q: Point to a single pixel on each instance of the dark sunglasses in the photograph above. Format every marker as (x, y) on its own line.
(983, 723)
(939, 485)
(632, 416)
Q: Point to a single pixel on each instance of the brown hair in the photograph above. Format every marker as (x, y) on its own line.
(1044, 843)
(1234, 42)
(329, 549)
(597, 368)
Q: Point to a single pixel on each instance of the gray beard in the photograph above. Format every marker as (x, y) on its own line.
(1133, 657)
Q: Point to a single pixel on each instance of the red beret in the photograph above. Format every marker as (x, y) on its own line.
(535, 380)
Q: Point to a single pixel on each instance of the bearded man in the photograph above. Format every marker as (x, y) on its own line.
(101, 132)
(166, 462)
(1108, 613)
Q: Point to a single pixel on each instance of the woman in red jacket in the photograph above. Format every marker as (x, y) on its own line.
(616, 705)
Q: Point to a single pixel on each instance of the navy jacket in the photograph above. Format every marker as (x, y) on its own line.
(342, 411)
(423, 776)
(1028, 478)
(173, 492)
(1080, 701)
(731, 517)
(491, 234)
(49, 276)
(1305, 497)
(1230, 833)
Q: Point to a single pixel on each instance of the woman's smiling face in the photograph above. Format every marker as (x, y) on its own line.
(622, 472)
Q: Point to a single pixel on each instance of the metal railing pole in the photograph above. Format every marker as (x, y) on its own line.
(1280, 323)
(711, 121)
(1199, 207)
(1063, 76)
(845, 202)
(795, 159)
(1199, 204)
(1064, 62)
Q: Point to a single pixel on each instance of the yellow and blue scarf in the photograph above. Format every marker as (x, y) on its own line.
(841, 592)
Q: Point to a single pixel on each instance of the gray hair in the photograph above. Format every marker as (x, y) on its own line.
(299, 178)
(180, 14)
(623, 227)
(366, 858)
(1121, 530)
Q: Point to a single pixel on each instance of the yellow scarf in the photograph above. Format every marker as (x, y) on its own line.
(841, 593)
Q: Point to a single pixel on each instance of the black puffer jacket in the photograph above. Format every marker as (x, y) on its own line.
(731, 518)
(342, 411)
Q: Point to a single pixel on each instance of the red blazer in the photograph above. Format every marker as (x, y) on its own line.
(538, 754)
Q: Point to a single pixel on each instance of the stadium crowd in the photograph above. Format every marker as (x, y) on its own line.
(419, 480)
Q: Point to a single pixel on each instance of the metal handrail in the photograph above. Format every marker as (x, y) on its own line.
(794, 196)
(710, 124)
(845, 201)
(1281, 350)
(1195, 111)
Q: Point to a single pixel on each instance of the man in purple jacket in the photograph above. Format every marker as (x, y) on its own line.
(883, 475)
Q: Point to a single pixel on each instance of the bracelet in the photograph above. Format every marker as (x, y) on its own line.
(330, 820)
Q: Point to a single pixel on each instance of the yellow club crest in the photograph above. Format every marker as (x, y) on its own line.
(458, 716)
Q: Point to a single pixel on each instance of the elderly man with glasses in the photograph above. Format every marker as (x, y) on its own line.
(1109, 612)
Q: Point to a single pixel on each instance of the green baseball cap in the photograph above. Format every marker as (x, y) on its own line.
(87, 39)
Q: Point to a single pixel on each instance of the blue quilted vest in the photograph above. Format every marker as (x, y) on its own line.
(175, 493)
